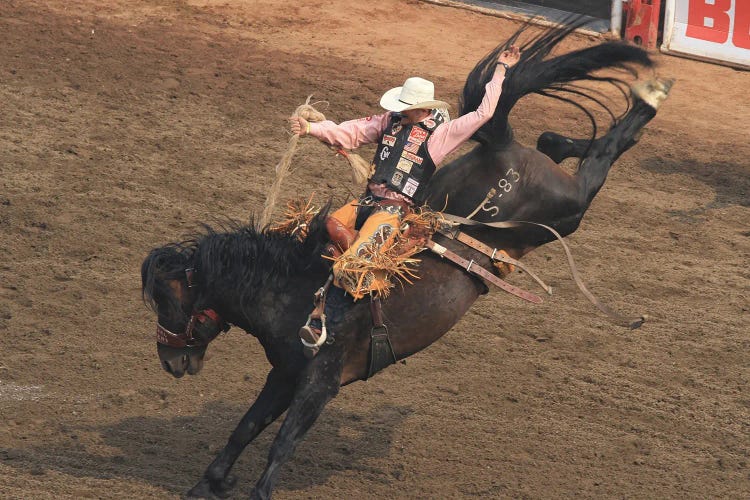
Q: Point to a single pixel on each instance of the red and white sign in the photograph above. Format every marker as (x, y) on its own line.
(709, 29)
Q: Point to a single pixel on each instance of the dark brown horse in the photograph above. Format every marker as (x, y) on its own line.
(263, 282)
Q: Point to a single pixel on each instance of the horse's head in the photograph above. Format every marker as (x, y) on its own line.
(183, 330)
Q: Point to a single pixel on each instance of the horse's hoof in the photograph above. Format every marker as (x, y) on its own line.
(213, 489)
(256, 495)
(653, 92)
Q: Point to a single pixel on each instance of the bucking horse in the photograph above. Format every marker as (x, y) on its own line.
(262, 281)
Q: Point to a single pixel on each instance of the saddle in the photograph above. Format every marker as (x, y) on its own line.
(418, 228)
(341, 236)
(415, 236)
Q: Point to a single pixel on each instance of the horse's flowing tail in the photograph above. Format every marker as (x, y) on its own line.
(554, 77)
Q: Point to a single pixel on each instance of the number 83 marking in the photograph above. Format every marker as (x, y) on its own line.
(505, 185)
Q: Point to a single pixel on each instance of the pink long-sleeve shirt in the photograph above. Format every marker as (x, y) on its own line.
(443, 141)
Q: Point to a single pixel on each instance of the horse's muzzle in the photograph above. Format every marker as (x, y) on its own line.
(177, 361)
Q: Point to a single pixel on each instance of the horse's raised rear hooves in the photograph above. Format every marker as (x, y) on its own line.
(653, 92)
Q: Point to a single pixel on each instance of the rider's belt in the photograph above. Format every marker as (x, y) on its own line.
(381, 191)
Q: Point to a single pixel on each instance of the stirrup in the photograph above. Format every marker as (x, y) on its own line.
(312, 338)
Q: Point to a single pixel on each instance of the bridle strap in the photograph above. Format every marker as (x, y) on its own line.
(171, 339)
(185, 339)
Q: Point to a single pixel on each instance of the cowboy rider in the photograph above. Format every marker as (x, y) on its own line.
(413, 139)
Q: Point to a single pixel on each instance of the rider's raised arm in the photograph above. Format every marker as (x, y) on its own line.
(353, 133)
(449, 136)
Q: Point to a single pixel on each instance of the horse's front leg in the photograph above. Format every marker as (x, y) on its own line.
(272, 401)
(318, 383)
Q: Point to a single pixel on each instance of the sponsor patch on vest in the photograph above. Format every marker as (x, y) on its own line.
(389, 140)
(416, 159)
(397, 178)
(411, 147)
(404, 165)
(396, 128)
(417, 135)
(385, 153)
(411, 186)
(429, 123)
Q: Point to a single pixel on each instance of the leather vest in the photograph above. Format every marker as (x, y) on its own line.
(401, 161)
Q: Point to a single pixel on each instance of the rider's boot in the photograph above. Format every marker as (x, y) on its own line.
(340, 234)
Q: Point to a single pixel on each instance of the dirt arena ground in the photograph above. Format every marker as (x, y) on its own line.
(124, 124)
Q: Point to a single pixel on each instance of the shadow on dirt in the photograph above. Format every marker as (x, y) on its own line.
(146, 449)
(730, 182)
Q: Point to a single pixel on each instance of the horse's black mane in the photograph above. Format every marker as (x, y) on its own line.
(234, 260)
(553, 77)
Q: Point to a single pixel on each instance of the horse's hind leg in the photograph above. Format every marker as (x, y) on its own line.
(608, 148)
(318, 384)
(272, 401)
(558, 147)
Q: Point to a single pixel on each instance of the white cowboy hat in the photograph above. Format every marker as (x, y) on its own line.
(416, 93)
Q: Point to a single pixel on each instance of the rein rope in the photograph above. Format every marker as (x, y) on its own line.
(309, 113)
(361, 169)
